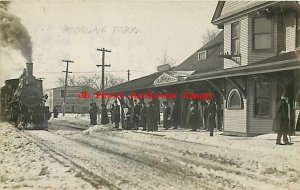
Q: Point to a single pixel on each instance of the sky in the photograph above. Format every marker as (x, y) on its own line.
(137, 33)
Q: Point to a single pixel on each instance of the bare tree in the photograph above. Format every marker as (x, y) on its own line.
(166, 59)
(208, 35)
(93, 81)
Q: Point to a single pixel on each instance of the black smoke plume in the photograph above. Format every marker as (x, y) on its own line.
(13, 33)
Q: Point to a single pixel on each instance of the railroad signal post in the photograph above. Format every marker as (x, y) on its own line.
(66, 83)
(103, 114)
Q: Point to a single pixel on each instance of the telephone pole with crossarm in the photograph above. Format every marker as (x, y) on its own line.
(103, 114)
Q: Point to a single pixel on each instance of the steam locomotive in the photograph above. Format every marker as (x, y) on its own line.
(23, 102)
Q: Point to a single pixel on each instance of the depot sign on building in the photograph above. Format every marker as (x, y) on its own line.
(165, 78)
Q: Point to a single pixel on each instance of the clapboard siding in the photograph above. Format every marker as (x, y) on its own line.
(260, 125)
(255, 56)
(243, 42)
(290, 20)
(235, 120)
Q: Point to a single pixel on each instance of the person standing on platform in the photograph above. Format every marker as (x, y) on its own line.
(175, 115)
(281, 121)
(211, 116)
(104, 118)
(116, 114)
(143, 116)
(55, 112)
(166, 115)
(151, 117)
(112, 113)
(134, 115)
(194, 115)
(127, 112)
(95, 109)
(91, 114)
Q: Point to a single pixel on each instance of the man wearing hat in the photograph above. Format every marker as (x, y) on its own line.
(104, 116)
(281, 121)
(166, 115)
(193, 115)
(91, 112)
(116, 114)
(134, 116)
(175, 115)
(151, 117)
(211, 116)
(143, 116)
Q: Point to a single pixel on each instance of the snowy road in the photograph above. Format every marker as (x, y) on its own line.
(136, 160)
(171, 159)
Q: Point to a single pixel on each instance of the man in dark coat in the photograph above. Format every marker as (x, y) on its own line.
(91, 114)
(143, 116)
(193, 115)
(211, 116)
(134, 116)
(55, 112)
(166, 115)
(281, 121)
(95, 109)
(116, 114)
(151, 117)
(104, 116)
(175, 115)
(127, 111)
(112, 113)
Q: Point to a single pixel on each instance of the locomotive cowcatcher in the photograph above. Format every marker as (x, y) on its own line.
(23, 102)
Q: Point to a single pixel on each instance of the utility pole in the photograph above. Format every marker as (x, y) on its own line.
(66, 83)
(103, 114)
(128, 74)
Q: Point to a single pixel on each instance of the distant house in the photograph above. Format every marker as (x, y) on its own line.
(78, 98)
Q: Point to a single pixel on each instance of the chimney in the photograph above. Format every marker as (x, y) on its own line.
(29, 68)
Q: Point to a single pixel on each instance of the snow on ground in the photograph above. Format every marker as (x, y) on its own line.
(23, 165)
(239, 162)
(130, 159)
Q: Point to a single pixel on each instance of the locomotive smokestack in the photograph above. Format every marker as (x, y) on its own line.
(29, 68)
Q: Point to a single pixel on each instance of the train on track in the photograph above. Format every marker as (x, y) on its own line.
(23, 102)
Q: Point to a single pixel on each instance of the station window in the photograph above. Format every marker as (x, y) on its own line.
(234, 100)
(235, 37)
(262, 33)
(262, 97)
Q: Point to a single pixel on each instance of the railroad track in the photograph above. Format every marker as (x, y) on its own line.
(95, 180)
(149, 160)
(98, 182)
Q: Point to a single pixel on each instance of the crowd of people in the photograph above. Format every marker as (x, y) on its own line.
(146, 116)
